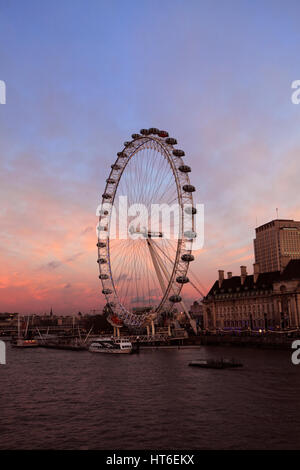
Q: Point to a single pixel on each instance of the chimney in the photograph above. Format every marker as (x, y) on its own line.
(243, 274)
(221, 277)
(255, 272)
(229, 275)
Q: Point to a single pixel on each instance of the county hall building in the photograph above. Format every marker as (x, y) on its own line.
(269, 298)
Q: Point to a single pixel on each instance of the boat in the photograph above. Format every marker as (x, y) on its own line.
(22, 341)
(216, 363)
(64, 343)
(111, 345)
(56, 341)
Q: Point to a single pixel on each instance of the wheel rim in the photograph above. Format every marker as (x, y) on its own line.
(139, 277)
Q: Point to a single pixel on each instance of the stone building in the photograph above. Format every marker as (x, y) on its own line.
(262, 300)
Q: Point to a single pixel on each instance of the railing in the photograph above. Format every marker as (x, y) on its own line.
(14, 329)
(158, 337)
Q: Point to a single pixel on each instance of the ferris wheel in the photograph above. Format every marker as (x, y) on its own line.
(142, 268)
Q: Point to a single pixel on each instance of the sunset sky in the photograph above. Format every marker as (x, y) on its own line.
(83, 75)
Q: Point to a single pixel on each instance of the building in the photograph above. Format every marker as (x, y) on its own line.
(268, 300)
(196, 312)
(7, 318)
(276, 243)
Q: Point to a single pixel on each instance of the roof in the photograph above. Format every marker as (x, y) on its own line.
(278, 223)
(292, 270)
(264, 280)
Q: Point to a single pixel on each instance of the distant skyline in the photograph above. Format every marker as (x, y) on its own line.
(82, 76)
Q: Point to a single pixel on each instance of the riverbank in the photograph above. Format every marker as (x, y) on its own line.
(275, 341)
(264, 341)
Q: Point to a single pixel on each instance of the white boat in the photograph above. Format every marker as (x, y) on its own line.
(111, 345)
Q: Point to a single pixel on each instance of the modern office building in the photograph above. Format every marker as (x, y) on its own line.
(276, 243)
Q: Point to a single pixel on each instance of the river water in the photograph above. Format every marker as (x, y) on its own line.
(53, 399)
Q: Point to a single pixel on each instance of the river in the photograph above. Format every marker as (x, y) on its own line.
(54, 399)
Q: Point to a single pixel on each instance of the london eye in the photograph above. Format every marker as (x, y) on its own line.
(144, 261)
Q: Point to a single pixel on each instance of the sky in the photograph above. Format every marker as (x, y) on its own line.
(83, 75)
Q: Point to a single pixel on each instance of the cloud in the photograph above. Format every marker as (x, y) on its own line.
(73, 257)
(87, 230)
(229, 107)
(52, 265)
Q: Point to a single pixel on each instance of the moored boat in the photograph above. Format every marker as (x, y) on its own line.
(24, 343)
(61, 341)
(64, 343)
(216, 363)
(111, 345)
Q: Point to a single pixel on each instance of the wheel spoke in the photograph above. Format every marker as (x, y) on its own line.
(142, 273)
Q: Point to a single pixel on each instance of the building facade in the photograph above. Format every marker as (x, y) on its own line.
(276, 243)
(196, 312)
(266, 301)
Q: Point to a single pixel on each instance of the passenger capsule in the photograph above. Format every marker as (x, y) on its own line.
(182, 279)
(106, 196)
(175, 298)
(184, 168)
(163, 134)
(135, 136)
(102, 228)
(187, 257)
(122, 155)
(103, 212)
(115, 166)
(189, 188)
(106, 291)
(101, 260)
(126, 144)
(103, 276)
(190, 210)
(144, 131)
(171, 141)
(101, 245)
(110, 181)
(153, 130)
(190, 234)
(178, 153)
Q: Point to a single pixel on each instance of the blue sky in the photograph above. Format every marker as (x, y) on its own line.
(82, 76)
